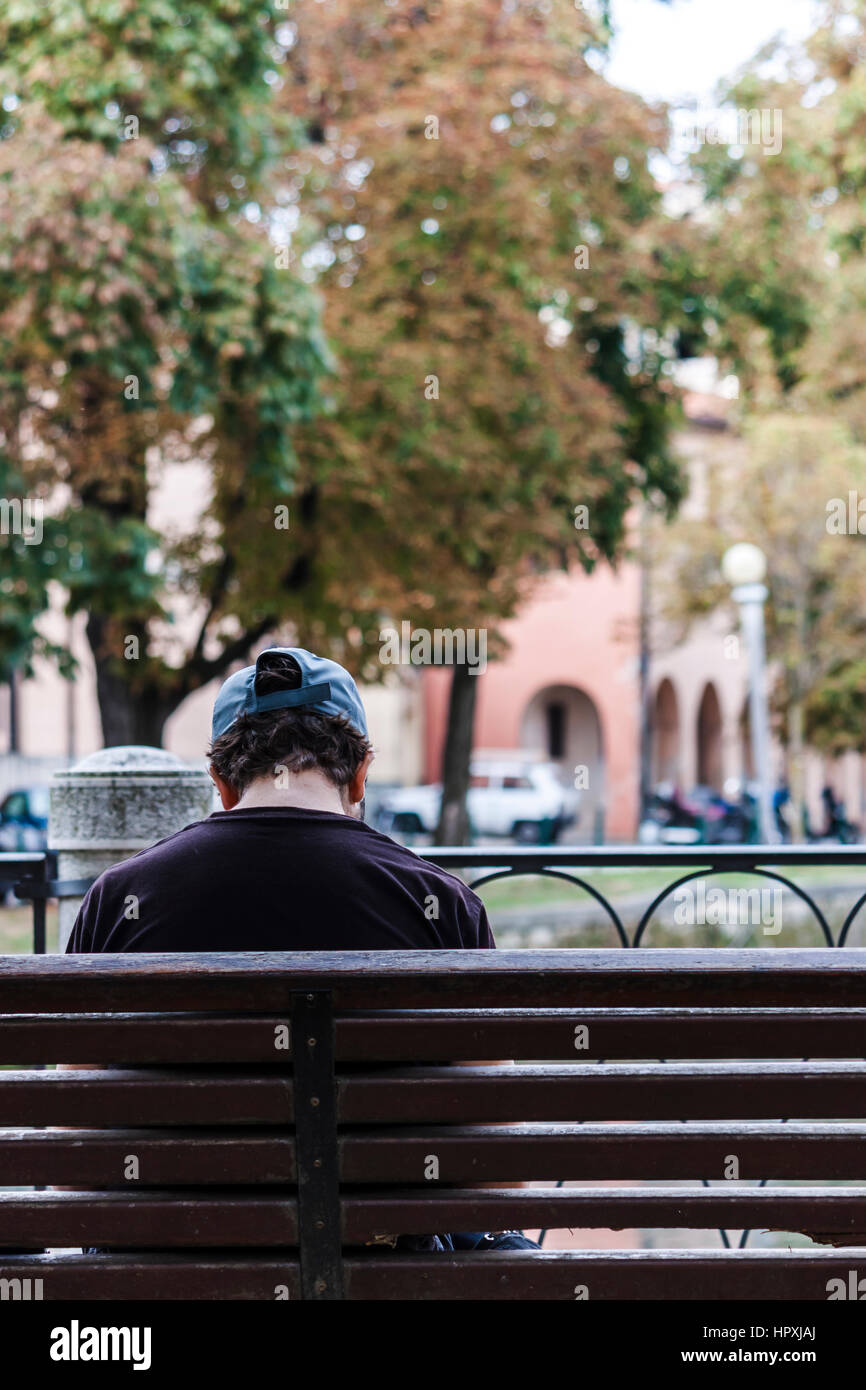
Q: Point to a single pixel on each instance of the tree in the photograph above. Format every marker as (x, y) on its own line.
(790, 495)
(787, 232)
(145, 321)
(504, 293)
(500, 284)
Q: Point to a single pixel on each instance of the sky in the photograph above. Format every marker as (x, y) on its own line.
(673, 52)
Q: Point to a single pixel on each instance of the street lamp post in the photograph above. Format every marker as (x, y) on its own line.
(744, 567)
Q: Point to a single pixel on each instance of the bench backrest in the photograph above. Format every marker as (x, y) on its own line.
(253, 1126)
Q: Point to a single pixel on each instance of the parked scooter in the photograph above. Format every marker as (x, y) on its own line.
(733, 816)
(670, 819)
(837, 826)
(730, 817)
(705, 817)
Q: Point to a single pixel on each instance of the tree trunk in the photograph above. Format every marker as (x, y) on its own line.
(13, 712)
(453, 828)
(126, 716)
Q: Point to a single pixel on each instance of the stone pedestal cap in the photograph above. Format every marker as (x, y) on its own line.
(125, 798)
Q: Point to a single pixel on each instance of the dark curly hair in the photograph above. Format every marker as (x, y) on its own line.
(292, 739)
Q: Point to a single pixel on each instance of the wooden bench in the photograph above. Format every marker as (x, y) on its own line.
(252, 1121)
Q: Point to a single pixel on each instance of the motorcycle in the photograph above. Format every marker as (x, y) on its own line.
(670, 819)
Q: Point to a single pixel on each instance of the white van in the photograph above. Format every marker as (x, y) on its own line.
(509, 795)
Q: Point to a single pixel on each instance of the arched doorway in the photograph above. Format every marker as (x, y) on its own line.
(561, 724)
(666, 735)
(709, 737)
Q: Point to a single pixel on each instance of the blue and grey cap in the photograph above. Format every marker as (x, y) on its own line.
(326, 687)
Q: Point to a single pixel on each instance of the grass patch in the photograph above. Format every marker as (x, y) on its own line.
(16, 929)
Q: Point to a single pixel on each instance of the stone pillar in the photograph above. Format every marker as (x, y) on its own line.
(114, 803)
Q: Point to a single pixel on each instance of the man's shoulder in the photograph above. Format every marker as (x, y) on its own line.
(179, 843)
(396, 853)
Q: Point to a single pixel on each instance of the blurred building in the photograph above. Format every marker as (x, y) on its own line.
(568, 689)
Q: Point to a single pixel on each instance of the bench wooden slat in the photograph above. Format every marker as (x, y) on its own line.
(466, 1153)
(132, 1219)
(471, 1153)
(837, 1211)
(153, 1276)
(143, 1098)
(167, 1220)
(475, 1153)
(259, 981)
(141, 1038)
(703, 1091)
(618, 1091)
(436, 1035)
(96, 1158)
(783, 1275)
(649, 1275)
(549, 1034)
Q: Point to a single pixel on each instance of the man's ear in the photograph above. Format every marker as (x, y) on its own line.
(229, 796)
(355, 788)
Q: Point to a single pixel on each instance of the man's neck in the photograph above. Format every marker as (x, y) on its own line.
(303, 791)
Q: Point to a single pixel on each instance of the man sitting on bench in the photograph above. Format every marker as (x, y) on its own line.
(288, 864)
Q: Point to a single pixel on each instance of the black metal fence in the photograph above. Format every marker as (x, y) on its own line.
(33, 877)
(775, 863)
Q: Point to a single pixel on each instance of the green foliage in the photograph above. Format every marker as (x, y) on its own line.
(786, 234)
(144, 320)
(191, 76)
(777, 494)
(834, 710)
(467, 152)
(148, 152)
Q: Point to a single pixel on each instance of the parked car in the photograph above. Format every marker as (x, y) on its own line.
(24, 819)
(514, 797)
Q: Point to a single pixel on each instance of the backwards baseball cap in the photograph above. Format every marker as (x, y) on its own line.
(326, 687)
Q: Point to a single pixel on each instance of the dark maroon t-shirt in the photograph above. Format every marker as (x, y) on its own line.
(274, 879)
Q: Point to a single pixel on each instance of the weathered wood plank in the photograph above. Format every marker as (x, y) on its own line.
(777, 1275)
(95, 1158)
(146, 1097)
(619, 1091)
(143, 1219)
(445, 1095)
(98, 1158)
(837, 1211)
(600, 1034)
(149, 1276)
(434, 1035)
(142, 1038)
(623, 1151)
(647, 1275)
(255, 981)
